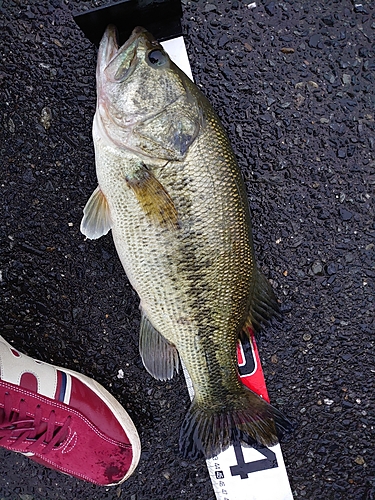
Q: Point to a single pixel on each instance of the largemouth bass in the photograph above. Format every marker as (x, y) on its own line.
(171, 192)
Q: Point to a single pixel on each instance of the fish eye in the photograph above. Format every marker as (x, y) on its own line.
(157, 58)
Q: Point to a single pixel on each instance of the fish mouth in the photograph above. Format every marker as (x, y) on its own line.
(119, 62)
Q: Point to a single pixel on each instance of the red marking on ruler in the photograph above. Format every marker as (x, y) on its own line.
(253, 377)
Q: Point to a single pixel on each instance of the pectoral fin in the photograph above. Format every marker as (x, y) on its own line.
(159, 356)
(96, 221)
(263, 303)
(153, 198)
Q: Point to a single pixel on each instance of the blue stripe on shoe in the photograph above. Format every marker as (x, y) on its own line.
(63, 386)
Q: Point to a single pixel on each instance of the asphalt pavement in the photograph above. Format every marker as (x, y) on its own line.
(293, 82)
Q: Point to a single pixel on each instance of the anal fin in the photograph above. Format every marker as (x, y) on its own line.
(159, 356)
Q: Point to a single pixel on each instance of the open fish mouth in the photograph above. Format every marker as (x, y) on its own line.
(108, 47)
(116, 61)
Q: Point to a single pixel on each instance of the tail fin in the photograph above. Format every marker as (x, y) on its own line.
(246, 417)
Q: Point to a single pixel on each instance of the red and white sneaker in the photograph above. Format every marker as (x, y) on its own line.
(64, 420)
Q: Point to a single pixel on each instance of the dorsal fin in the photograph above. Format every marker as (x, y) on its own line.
(263, 304)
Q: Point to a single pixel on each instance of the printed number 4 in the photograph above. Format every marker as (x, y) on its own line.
(243, 468)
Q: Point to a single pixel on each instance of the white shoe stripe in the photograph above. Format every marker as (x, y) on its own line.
(68, 390)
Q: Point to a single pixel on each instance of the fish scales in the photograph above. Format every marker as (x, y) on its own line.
(172, 193)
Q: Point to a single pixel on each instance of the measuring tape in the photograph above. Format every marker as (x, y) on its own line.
(241, 473)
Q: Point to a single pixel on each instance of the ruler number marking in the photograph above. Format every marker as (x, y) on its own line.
(248, 364)
(243, 469)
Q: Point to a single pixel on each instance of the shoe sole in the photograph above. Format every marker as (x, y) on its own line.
(112, 403)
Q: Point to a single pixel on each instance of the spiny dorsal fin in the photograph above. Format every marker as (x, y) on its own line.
(96, 221)
(153, 198)
(263, 304)
(159, 356)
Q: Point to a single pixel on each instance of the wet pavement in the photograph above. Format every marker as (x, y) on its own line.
(293, 83)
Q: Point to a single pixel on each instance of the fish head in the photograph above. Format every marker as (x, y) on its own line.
(134, 81)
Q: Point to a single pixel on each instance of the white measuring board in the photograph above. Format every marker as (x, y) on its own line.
(176, 50)
(241, 473)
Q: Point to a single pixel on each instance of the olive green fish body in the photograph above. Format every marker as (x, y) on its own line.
(171, 191)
